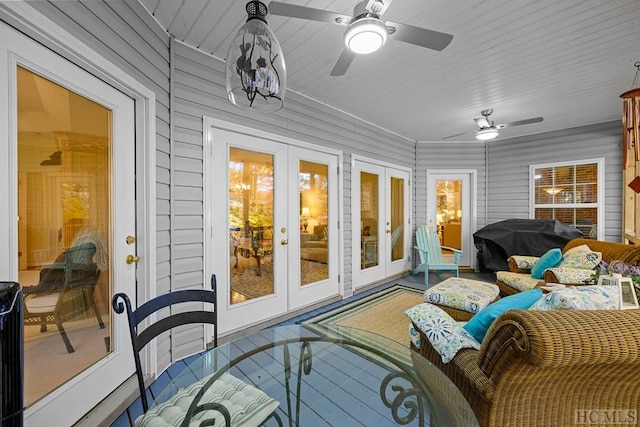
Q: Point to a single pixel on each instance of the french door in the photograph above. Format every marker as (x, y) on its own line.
(381, 202)
(451, 210)
(274, 226)
(68, 179)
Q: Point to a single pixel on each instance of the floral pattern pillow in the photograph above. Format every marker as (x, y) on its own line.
(581, 257)
(579, 298)
(445, 334)
(570, 275)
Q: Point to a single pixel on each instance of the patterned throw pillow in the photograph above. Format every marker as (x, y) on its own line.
(581, 257)
(445, 334)
(580, 298)
(570, 275)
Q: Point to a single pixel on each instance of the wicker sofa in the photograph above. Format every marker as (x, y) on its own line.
(610, 251)
(550, 368)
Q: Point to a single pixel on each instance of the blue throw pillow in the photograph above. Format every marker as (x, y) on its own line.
(548, 260)
(478, 325)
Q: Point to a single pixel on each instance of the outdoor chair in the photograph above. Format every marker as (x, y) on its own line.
(181, 412)
(65, 291)
(430, 252)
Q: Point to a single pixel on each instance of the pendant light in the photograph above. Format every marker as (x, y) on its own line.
(256, 76)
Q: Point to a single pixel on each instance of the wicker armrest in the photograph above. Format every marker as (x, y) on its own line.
(562, 338)
(521, 263)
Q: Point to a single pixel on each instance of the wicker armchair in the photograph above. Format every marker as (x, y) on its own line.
(550, 368)
(610, 251)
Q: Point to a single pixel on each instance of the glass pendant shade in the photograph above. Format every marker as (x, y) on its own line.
(256, 76)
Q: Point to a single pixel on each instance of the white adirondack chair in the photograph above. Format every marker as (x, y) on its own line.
(430, 251)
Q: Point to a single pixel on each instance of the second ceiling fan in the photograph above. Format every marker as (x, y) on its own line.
(488, 128)
(365, 32)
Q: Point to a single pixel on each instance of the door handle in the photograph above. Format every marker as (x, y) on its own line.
(132, 259)
(284, 242)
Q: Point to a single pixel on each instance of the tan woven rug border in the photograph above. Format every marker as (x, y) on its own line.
(381, 313)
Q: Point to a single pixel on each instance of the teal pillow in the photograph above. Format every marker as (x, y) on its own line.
(548, 260)
(478, 325)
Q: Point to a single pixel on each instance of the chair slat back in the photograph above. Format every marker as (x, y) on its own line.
(433, 243)
(421, 242)
(141, 337)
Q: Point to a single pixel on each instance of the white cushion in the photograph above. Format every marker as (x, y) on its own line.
(518, 281)
(41, 304)
(462, 294)
(247, 405)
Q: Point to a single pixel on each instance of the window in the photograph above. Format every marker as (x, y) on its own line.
(569, 192)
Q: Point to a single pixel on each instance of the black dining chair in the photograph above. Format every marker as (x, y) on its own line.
(141, 335)
(65, 291)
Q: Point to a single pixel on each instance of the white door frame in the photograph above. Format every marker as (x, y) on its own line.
(384, 269)
(30, 21)
(214, 215)
(469, 207)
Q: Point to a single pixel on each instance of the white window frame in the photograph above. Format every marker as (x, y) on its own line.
(599, 205)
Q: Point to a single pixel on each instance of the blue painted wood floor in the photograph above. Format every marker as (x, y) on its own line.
(127, 418)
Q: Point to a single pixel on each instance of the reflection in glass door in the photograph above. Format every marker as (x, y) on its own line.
(250, 224)
(369, 218)
(449, 213)
(380, 206)
(451, 210)
(314, 222)
(279, 226)
(63, 227)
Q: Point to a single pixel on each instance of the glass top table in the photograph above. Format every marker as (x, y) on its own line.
(330, 376)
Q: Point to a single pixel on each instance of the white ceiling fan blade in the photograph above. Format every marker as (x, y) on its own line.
(458, 134)
(482, 122)
(419, 36)
(520, 122)
(345, 60)
(302, 12)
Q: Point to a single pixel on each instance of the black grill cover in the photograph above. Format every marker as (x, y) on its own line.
(497, 242)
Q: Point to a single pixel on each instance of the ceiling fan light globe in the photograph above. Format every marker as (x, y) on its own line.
(365, 35)
(486, 134)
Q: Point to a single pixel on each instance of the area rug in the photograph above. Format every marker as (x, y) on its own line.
(381, 313)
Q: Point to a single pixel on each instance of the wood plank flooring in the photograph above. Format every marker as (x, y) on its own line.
(342, 380)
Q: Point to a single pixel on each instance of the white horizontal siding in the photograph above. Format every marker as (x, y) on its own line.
(509, 160)
(200, 91)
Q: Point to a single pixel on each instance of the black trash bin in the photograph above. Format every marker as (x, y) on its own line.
(11, 355)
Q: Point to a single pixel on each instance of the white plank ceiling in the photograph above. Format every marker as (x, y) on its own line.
(567, 61)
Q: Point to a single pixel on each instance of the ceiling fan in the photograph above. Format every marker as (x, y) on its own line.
(489, 130)
(365, 32)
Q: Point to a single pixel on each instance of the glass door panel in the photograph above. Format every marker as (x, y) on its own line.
(369, 220)
(64, 213)
(381, 208)
(314, 222)
(397, 218)
(449, 213)
(251, 206)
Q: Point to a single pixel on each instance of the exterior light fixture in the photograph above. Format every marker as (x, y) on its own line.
(256, 76)
(486, 134)
(365, 35)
